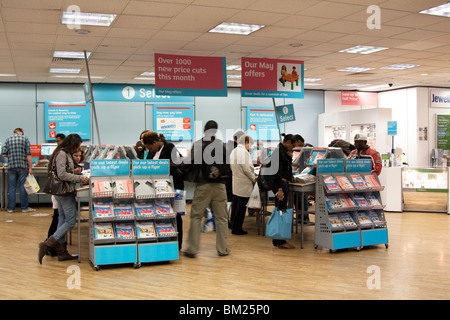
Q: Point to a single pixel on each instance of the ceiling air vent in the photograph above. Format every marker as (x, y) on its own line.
(68, 60)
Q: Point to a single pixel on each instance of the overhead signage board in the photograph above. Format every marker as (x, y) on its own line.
(175, 122)
(272, 78)
(190, 75)
(67, 118)
(285, 113)
(133, 93)
(262, 123)
(356, 98)
(439, 98)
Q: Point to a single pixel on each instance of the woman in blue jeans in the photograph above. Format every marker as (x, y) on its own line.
(67, 206)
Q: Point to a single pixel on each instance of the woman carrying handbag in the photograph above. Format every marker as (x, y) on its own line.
(60, 183)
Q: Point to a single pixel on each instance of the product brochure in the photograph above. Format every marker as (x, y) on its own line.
(145, 230)
(331, 183)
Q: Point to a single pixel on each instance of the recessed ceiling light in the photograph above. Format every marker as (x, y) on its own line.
(70, 54)
(148, 74)
(236, 28)
(442, 10)
(64, 70)
(234, 67)
(424, 74)
(87, 19)
(312, 79)
(356, 69)
(400, 66)
(363, 49)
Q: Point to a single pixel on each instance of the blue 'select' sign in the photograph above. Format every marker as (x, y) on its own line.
(133, 92)
(285, 113)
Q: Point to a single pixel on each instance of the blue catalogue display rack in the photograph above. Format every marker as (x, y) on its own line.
(131, 216)
(349, 212)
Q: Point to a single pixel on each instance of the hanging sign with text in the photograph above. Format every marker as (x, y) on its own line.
(272, 78)
(190, 75)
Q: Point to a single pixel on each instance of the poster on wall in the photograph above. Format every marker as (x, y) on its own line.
(67, 118)
(190, 75)
(272, 78)
(262, 123)
(443, 131)
(175, 122)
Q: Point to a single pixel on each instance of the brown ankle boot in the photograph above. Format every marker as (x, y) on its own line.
(45, 247)
(63, 254)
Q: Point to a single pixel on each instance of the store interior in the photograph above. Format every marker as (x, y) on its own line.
(411, 263)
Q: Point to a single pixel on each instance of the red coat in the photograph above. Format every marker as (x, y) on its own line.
(374, 155)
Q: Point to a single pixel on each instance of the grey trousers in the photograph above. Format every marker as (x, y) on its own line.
(215, 196)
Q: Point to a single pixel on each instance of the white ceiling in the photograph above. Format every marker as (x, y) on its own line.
(31, 30)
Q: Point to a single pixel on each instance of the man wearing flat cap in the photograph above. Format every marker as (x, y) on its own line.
(363, 150)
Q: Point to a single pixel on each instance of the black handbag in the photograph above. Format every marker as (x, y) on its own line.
(56, 186)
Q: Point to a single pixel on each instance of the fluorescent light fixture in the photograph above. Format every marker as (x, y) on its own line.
(236, 28)
(312, 79)
(356, 69)
(356, 85)
(313, 84)
(442, 10)
(87, 19)
(363, 49)
(70, 54)
(234, 76)
(148, 74)
(7, 75)
(64, 70)
(401, 66)
(74, 77)
(145, 78)
(234, 67)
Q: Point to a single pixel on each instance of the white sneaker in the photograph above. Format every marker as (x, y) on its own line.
(29, 210)
(10, 211)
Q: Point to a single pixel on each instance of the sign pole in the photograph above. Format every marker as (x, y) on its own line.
(276, 116)
(92, 97)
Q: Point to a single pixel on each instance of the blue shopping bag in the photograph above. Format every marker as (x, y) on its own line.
(279, 225)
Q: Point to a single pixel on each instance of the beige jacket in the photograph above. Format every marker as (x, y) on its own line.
(243, 171)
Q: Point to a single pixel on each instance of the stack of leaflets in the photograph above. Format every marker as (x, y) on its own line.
(347, 202)
(304, 178)
(144, 210)
(373, 200)
(358, 181)
(361, 201)
(102, 188)
(143, 189)
(348, 221)
(103, 211)
(165, 230)
(364, 220)
(123, 188)
(372, 182)
(378, 222)
(103, 231)
(124, 231)
(163, 188)
(145, 230)
(123, 211)
(331, 184)
(345, 183)
(163, 208)
(333, 203)
(335, 223)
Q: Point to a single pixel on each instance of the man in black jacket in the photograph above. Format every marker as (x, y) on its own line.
(209, 171)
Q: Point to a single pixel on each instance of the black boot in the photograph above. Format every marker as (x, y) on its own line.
(45, 247)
